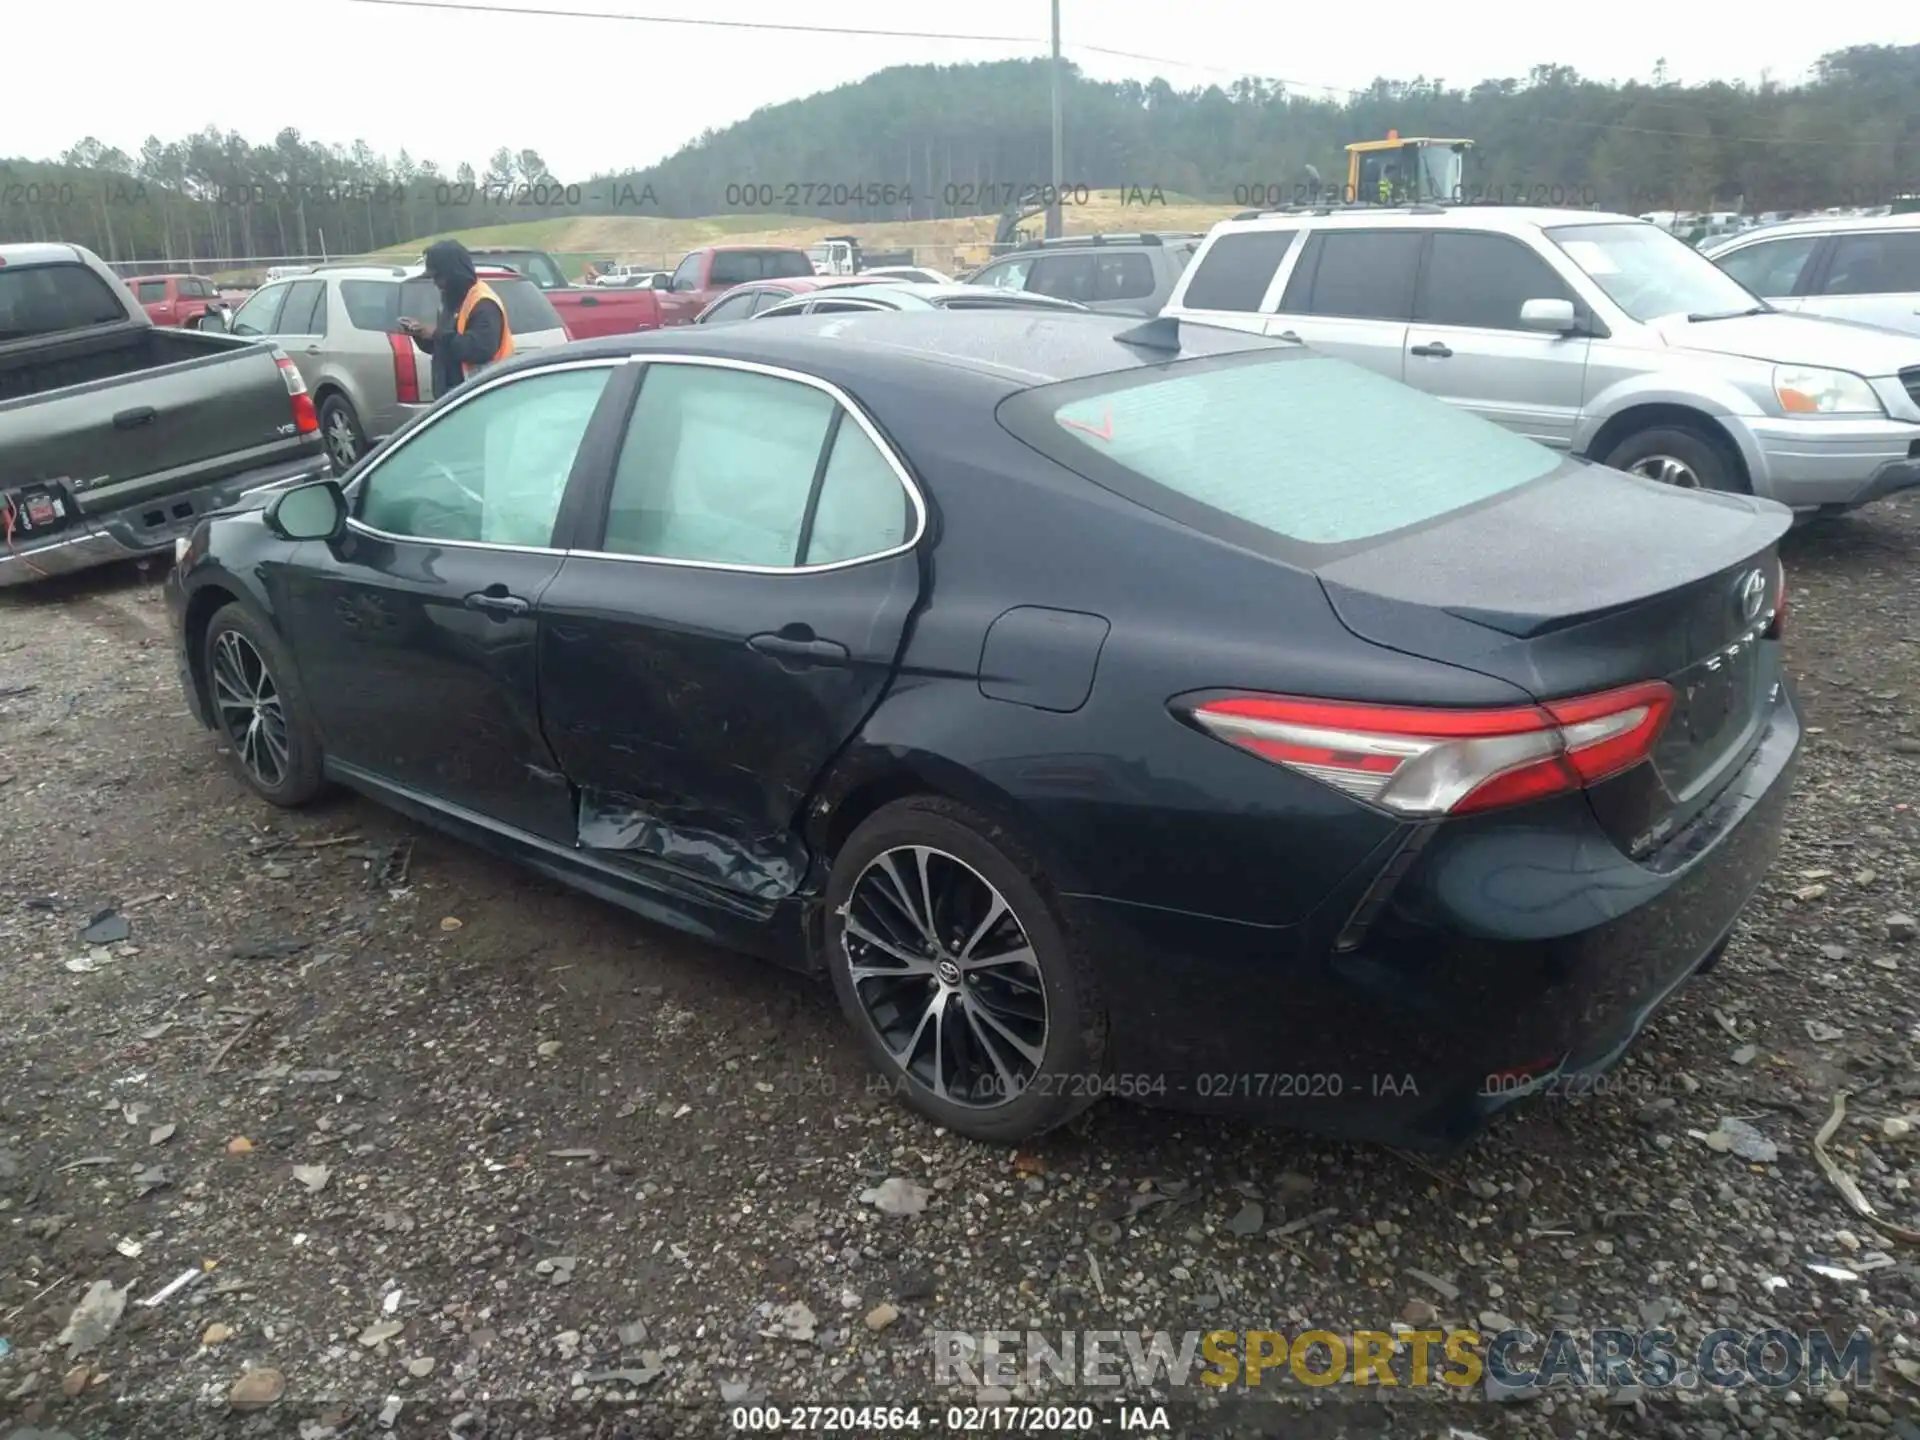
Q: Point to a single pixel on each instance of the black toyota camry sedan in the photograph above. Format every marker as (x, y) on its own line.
(1106, 708)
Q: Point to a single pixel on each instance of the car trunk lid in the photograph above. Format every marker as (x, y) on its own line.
(1584, 581)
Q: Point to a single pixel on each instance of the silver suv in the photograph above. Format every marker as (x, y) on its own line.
(1599, 335)
(1118, 274)
(340, 327)
(1841, 266)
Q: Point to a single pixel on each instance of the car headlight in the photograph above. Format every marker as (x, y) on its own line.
(1803, 390)
(181, 544)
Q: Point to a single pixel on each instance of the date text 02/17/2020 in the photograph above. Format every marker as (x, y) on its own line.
(957, 1419)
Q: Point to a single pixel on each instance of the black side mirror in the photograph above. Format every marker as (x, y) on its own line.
(316, 511)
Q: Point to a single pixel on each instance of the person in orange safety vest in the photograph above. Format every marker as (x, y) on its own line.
(472, 331)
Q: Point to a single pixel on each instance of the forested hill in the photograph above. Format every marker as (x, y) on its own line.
(1849, 136)
(920, 142)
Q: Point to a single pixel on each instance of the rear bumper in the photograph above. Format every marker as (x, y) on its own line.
(1513, 955)
(149, 528)
(1833, 462)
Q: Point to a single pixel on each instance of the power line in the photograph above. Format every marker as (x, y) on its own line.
(472, 8)
(705, 23)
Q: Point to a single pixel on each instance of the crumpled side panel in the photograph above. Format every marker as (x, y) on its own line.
(769, 868)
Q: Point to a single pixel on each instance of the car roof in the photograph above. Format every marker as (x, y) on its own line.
(1505, 218)
(1822, 225)
(1015, 349)
(934, 292)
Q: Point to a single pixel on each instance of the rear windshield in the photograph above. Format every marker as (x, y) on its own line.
(736, 267)
(46, 299)
(1301, 447)
(527, 309)
(536, 265)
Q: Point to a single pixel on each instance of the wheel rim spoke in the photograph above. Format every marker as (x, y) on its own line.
(965, 1016)
(250, 709)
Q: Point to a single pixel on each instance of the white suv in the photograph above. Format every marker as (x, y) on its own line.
(1600, 335)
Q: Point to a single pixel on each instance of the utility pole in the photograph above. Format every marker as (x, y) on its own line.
(1054, 230)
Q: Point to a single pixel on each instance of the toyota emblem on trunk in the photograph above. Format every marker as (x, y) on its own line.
(1752, 594)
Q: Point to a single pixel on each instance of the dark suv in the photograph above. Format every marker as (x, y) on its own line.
(1120, 274)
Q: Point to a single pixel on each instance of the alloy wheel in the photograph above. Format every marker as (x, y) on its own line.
(342, 443)
(947, 976)
(1667, 470)
(248, 703)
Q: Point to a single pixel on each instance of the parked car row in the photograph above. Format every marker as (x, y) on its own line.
(1445, 753)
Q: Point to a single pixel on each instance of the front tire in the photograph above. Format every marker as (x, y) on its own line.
(1676, 455)
(952, 964)
(260, 709)
(346, 441)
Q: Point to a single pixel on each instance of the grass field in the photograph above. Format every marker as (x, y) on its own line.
(946, 244)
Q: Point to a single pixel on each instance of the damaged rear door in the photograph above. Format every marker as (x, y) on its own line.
(751, 574)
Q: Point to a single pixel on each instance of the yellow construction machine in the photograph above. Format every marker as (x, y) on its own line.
(1394, 171)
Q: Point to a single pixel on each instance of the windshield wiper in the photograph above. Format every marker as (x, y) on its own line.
(1730, 315)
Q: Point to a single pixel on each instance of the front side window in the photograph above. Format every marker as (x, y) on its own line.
(1650, 274)
(1010, 275)
(725, 467)
(1882, 263)
(685, 277)
(1481, 281)
(305, 310)
(261, 312)
(734, 307)
(152, 292)
(492, 470)
(1772, 267)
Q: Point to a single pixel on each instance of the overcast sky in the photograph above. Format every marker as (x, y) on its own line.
(600, 95)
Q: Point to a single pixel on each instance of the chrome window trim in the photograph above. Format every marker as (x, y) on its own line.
(355, 523)
(859, 417)
(717, 362)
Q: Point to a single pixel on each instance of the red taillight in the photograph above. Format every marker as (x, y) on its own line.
(406, 375)
(1778, 625)
(1446, 762)
(303, 414)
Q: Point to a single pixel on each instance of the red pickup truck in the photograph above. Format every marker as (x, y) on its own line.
(708, 273)
(586, 311)
(175, 300)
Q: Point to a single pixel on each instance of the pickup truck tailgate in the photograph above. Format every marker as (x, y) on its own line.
(149, 412)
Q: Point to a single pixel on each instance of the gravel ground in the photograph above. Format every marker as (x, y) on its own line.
(438, 1135)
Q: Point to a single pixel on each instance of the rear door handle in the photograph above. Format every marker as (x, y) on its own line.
(1436, 350)
(1289, 335)
(802, 646)
(587, 300)
(133, 419)
(496, 601)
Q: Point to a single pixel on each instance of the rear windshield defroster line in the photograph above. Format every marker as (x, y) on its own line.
(1276, 451)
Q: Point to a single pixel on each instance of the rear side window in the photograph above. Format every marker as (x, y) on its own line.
(1274, 444)
(1125, 275)
(152, 292)
(46, 299)
(734, 307)
(1237, 271)
(1481, 281)
(306, 309)
(1884, 263)
(1772, 267)
(371, 304)
(527, 308)
(1356, 274)
(196, 289)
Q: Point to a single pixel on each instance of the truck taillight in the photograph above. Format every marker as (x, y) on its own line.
(406, 375)
(303, 414)
(1445, 762)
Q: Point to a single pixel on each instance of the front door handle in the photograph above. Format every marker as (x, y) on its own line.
(133, 419)
(797, 642)
(1435, 350)
(1290, 336)
(495, 600)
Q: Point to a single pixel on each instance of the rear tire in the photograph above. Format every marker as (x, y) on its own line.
(346, 441)
(1676, 455)
(259, 708)
(971, 998)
